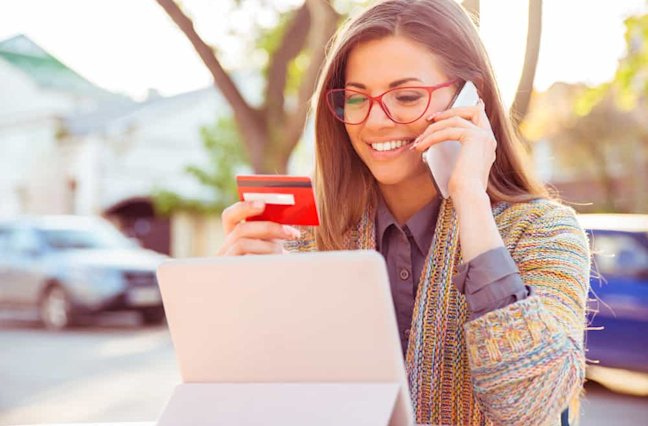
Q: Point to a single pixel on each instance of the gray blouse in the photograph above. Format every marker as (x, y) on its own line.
(489, 281)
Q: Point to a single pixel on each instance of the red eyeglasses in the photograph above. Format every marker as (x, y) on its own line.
(403, 105)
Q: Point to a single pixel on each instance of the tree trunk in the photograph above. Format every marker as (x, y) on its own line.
(525, 86)
(271, 133)
(249, 120)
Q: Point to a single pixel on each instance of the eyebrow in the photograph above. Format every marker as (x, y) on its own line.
(391, 85)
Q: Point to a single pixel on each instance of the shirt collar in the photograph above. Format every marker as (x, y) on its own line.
(421, 225)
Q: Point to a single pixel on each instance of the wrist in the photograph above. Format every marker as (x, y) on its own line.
(470, 196)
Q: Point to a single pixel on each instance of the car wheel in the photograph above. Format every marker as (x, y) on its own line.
(55, 309)
(152, 316)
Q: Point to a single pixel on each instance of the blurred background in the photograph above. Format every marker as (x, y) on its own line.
(122, 124)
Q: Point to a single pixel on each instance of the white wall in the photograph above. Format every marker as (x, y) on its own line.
(163, 140)
(34, 168)
(22, 100)
(28, 166)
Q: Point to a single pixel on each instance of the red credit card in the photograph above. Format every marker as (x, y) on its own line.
(289, 200)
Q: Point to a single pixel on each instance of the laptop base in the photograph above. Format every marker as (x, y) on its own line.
(286, 404)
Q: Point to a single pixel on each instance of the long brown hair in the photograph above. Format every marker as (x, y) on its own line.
(345, 186)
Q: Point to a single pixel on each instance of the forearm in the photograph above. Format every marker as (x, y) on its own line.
(527, 359)
(478, 231)
(524, 366)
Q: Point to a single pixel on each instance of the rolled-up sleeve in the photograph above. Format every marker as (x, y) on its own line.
(490, 281)
(527, 359)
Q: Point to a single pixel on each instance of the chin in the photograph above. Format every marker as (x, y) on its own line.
(399, 175)
(391, 178)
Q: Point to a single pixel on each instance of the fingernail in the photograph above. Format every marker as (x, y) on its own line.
(291, 232)
(431, 117)
(258, 205)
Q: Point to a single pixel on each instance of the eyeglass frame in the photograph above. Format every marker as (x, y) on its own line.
(378, 99)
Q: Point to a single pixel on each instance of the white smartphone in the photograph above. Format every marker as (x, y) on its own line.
(442, 157)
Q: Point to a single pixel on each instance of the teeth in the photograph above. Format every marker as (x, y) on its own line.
(389, 145)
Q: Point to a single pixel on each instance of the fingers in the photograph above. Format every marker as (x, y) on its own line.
(263, 231)
(258, 237)
(475, 114)
(453, 124)
(446, 134)
(252, 246)
(240, 211)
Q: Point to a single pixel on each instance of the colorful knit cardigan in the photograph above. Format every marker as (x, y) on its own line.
(519, 365)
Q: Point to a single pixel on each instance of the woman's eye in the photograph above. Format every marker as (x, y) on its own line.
(408, 97)
(355, 100)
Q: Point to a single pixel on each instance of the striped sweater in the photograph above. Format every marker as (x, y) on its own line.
(519, 365)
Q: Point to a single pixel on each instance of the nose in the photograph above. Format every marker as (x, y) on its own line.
(378, 116)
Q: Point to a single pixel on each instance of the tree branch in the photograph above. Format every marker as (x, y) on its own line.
(473, 9)
(292, 43)
(520, 105)
(323, 25)
(246, 116)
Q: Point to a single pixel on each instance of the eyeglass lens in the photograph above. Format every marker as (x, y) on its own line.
(402, 105)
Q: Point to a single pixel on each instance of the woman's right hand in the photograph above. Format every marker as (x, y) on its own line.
(252, 237)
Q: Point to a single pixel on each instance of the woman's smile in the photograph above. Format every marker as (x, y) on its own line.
(389, 148)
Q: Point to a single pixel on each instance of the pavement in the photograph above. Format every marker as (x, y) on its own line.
(117, 371)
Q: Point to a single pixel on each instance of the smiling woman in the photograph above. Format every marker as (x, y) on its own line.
(414, 55)
(489, 285)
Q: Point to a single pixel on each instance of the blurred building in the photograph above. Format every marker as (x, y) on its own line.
(597, 158)
(37, 92)
(68, 146)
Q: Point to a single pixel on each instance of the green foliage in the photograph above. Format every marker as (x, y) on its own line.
(630, 83)
(269, 41)
(632, 74)
(590, 98)
(609, 129)
(270, 38)
(223, 148)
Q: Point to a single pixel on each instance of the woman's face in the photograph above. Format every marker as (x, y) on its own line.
(374, 67)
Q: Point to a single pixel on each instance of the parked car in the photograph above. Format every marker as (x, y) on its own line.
(71, 267)
(619, 285)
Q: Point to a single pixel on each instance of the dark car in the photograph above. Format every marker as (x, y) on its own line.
(71, 267)
(619, 285)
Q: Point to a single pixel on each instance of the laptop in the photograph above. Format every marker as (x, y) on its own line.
(288, 339)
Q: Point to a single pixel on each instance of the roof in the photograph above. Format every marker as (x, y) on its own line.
(118, 116)
(614, 221)
(44, 69)
(121, 115)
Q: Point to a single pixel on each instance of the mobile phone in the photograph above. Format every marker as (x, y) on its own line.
(442, 157)
(289, 200)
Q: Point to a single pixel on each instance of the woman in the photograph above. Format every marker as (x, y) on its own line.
(490, 285)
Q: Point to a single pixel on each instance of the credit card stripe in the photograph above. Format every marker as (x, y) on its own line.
(272, 184)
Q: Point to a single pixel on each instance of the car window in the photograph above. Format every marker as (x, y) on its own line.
(4, 240)
(23, 241)
(97, 236)
(619, 254)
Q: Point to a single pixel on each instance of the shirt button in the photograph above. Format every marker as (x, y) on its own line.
(404, 274)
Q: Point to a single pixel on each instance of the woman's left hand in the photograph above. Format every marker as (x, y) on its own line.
(470, 127)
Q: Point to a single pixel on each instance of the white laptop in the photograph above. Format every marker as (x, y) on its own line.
(289, 340)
